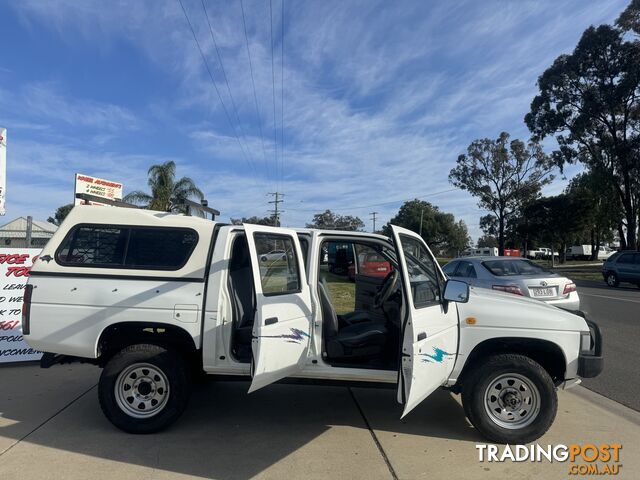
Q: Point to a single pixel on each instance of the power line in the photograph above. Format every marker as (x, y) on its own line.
(215, 86)
(226, 81)
(380, 204)
(255, 95)
(273, 83)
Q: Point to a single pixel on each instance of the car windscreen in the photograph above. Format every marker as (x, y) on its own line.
(502, 268)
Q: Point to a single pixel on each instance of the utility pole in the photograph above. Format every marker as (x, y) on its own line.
(373, 217)
(276, 209)
(421, 215)
(27, 237)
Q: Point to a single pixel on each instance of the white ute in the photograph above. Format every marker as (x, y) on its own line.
(155, 298)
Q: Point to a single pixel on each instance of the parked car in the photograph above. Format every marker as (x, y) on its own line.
(518, 276)
(541, 253)
(273, 256)
(152, 298)
(584, 252)
(371, 265)
(623, 266)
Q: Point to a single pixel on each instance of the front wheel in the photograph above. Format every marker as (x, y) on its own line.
(144, 388)
(612, 279)
(510, 399)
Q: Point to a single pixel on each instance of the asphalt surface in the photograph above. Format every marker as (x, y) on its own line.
(617, 312)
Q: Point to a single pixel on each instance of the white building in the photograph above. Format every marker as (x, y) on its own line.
(14, 233)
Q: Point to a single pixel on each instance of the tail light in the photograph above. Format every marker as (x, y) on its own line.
(568, 288)
(508, 289)
(26, 309)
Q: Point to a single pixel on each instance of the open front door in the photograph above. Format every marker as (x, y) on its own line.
(430, 329)
(281, 331)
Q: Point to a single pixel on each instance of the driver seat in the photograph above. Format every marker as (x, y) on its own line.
(357, 341)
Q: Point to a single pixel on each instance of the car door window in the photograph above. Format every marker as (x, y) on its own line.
(466, 270)
(626, 258)
(424, 277)
(280, 274)
(450, 268)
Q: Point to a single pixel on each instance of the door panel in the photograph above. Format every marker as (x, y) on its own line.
(430, 330)
(281, 331)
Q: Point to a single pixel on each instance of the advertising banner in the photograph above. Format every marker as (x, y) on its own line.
(3, 169)
(98, 187)
(15, 264)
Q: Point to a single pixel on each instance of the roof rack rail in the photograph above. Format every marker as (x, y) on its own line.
(203, 207)
(106, 201)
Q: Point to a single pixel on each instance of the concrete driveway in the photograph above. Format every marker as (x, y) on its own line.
(52, 427)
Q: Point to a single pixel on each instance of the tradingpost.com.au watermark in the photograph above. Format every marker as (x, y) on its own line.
(585, 459)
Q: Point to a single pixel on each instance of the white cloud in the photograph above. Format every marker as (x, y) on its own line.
(380, 97)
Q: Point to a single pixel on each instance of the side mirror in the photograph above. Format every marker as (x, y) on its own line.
(456, 291)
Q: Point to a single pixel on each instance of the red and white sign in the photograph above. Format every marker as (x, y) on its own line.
(15, 264)
(98, 187)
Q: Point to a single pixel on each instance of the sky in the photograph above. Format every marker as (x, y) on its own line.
(357, 107)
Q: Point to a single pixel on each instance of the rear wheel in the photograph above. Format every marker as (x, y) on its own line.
(612, 279)
(510, 399)
(144, 388)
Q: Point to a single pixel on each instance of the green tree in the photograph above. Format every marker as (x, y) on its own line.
(590, 101)
(504, 175)
(167, 193)
(629, 20)
(557, 220)
(61, 214)
(269, 221)
(328, 220)
(487, 241)
(603, 212)
(439, 229)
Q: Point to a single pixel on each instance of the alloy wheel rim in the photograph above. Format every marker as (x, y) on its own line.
(142, 390)
(512, 401)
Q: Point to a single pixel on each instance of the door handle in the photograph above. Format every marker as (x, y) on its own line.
(271, 321)
(422, 336)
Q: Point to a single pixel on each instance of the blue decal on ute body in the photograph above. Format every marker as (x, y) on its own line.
(438, 355)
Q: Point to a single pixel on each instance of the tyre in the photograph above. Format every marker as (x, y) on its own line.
(510, 398)
(144, 388)
(612, 279)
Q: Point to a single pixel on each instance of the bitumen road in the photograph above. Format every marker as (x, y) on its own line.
(617, 312)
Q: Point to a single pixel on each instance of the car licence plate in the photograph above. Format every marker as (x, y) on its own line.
(543, 292)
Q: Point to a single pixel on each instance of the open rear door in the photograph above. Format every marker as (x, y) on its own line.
(430, 329)
(281, 331)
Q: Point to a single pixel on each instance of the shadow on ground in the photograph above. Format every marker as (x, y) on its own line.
(224, 433)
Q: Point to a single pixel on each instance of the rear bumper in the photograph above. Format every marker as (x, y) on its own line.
(571, 302)
(591, 364)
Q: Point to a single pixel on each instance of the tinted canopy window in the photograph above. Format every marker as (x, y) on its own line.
(127, 247)
(159, 248)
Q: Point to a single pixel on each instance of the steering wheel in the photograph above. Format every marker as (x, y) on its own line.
(388, 287)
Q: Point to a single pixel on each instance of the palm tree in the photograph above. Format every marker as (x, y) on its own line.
(167, 194)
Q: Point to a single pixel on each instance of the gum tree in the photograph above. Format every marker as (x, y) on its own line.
(590, 101)
(504, 176)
